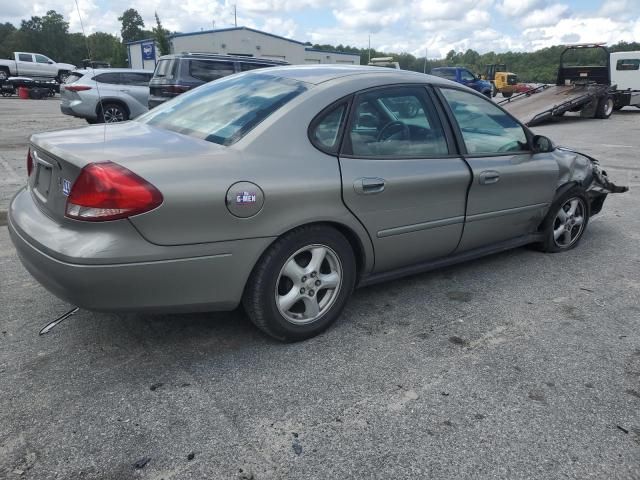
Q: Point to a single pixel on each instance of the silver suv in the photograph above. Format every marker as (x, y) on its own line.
(105, 95)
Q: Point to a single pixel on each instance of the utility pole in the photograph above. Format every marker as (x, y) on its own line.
(426, 51)
(369, 48)
(235, 15)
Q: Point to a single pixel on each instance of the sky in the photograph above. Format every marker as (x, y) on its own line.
(413, 26)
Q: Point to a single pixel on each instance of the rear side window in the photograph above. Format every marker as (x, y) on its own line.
(166, 69)
(25, 57)
(111, 78)
(73, 77)
(244, 67)
(485, 128)
(628, 64)
(207, 70)
(445, 73)
(135, 78)
(325, 129)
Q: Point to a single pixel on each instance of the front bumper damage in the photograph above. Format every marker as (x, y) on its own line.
(576, 167)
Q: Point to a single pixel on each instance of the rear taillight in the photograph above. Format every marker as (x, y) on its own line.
(108, 191)
(77, 88)
(29, 163)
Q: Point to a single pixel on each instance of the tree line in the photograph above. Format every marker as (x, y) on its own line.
(50, 36)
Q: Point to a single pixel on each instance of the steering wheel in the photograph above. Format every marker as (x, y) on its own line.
(396, 126)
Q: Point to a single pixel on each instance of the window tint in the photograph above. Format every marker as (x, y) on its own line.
(396, 122)
(207, 70)
(165, 69)
(628, 64)
(466, 76)
(326, 129)
(25, 57)
(485, 128)
(112, 78)
(135, 78)
(447, 73)
(223, 112)
(41, 59)
(252, 66)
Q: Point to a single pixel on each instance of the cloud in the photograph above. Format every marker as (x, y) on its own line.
(545, 16)
(518, 8)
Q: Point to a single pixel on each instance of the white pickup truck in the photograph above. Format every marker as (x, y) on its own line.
(34, 65)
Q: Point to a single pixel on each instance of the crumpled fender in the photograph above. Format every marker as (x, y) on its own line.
(584, 170)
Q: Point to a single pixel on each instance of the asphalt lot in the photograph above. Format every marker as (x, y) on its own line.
(519, 365)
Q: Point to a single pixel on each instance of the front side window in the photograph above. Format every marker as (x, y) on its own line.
(396, 122)
(42, 59)
(224, 111)
(447, 73)
(325, 131)
(207, 70)
(25, 57)
(485, 128)
(628, 64)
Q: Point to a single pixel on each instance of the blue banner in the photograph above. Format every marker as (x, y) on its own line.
(149, 51)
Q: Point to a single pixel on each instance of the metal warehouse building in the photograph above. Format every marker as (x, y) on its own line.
(242, 41)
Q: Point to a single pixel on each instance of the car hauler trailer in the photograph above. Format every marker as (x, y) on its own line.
(580, 88)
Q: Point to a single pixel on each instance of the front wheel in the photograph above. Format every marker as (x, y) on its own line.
(301, 284)
(566, 221)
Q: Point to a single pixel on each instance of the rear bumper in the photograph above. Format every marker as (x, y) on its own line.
(89, 267)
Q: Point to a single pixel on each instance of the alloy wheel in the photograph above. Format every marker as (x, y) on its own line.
(569, 222)
(308, 284)
(113, 114)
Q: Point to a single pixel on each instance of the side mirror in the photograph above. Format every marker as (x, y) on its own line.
(541, 144)
(50, 62)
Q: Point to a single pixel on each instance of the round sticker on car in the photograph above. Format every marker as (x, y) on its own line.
(244, 199)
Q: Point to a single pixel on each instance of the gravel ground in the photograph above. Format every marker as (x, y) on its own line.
(518, 365)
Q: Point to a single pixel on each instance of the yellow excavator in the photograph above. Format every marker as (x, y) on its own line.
(502, 80)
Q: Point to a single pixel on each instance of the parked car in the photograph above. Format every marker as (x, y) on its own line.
(179, 73)
(105, 95)
(465, 77)
(34, 65)
(287, 187)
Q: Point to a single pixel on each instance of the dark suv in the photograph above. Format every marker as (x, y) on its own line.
(177, 73)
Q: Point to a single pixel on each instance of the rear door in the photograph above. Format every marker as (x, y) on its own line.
(512, 187)
(401, 176)
(25, 64)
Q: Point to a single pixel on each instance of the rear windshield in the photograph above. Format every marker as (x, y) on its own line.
(225, 110)
(73, 77)
(165, 69)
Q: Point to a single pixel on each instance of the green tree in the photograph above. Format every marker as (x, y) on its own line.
(132, 26)
(162, 36)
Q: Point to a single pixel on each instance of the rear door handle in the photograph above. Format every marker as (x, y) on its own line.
(488, 177)
(368, 186)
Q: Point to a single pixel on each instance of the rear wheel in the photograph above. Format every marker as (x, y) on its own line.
(605, 108)
(566, 221)
(301, 284)
(507, 94)
(112, 113)
(4, 74)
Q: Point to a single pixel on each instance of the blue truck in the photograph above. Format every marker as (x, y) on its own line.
(465, 77)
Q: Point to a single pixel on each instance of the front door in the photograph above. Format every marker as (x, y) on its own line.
(401, 178)
(512, 187)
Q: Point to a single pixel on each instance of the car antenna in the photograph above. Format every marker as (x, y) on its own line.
(90, 57)
(49, 326)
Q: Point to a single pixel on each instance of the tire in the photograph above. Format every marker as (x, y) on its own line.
(605, 108)
(62, 76)
(507, 94)
(295, 319)
(487, 93)
(4, 74)
(559, 234)
(113, 113)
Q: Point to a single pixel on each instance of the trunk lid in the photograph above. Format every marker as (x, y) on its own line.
(58, 157)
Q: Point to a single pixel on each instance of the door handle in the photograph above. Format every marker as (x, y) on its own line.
(125, 91)
(368, 186)
(488, 177)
